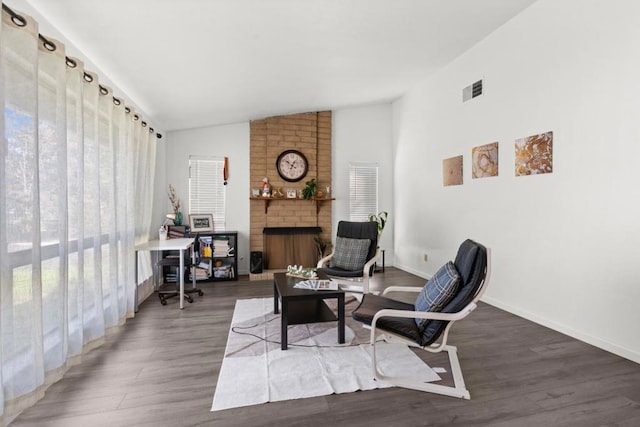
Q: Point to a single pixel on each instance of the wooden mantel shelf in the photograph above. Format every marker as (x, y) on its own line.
(267, 200)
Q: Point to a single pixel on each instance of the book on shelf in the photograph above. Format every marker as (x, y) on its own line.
(317, 285)
(205, 264)
(224, 271)
(178, 231)
(202, 270)
(221, 247)
(200, 273)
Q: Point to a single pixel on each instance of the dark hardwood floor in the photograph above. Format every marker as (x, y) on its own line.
(161, 369)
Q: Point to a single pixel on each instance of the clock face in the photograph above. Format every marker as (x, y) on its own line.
(292, 165)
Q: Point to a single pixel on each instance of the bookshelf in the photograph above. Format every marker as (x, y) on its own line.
(216, 259)
(218, 256)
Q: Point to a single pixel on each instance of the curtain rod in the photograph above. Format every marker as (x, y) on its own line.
(20, 21)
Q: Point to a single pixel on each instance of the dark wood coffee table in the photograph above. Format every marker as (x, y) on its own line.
(301, 306)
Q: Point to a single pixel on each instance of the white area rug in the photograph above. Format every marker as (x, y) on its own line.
(256, 371)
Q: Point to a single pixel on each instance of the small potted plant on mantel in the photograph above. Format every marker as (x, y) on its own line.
(310, 189)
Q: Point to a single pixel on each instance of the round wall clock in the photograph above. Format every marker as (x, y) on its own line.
(292, 165)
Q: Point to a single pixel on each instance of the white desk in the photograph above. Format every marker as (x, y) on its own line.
(181, 245)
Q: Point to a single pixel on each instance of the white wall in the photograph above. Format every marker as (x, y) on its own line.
(363, 134)
(231, 141)
(564, 244)
(360, 134)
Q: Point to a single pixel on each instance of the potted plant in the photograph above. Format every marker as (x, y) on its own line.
(175, 203)
(310, 189)
(381, 219)
(323, 246)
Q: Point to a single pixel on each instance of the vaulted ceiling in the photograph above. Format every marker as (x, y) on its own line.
(194, 63)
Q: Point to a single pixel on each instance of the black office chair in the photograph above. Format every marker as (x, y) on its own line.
(398, 321)
(354, 255)
(164, 292)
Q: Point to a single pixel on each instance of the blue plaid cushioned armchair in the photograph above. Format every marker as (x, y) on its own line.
(426, 323)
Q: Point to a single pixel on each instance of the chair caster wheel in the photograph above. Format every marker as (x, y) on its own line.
(200, 293)
(190, 300)
(163, 301)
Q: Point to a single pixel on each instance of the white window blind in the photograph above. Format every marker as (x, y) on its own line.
(363, 190)
(206, 188)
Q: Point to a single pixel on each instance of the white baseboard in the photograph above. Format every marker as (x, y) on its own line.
(412, 271)
(589, 339)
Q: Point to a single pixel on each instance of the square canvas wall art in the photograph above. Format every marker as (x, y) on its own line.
(534, 154)
(484, 160)
(452, 171)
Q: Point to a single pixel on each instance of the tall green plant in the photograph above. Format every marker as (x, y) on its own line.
(381, 219)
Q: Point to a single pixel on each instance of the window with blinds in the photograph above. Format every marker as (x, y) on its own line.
(206, 188)
(363, 191)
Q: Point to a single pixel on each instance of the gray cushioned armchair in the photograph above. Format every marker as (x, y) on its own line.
(344, 266)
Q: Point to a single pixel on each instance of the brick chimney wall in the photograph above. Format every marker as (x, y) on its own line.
(309, 133)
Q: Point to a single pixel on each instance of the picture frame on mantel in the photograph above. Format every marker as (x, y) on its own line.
(201, 223)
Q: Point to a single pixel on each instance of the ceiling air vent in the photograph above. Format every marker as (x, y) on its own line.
(472, 91)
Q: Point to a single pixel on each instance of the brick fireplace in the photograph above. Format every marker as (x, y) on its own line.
(309, 133)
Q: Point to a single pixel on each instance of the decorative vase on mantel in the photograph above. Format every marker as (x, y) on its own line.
(178, 219)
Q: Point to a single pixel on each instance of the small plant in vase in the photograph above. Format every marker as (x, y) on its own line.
(175, 203)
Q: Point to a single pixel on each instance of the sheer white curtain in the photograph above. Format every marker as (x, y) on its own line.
(75, 185)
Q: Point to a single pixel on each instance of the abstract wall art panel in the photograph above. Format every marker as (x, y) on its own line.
(452, 171)
(534, 154)
(485, 160)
